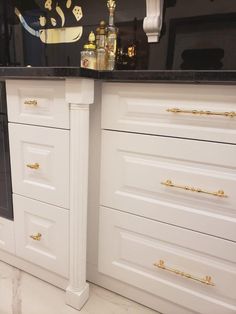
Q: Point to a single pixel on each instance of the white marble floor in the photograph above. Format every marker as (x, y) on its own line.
(21, 293)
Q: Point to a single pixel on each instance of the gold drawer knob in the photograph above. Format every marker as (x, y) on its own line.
(32, 102)
(34, 166)
(170, 184)
(207, 280)
(36, 237)
(230, 114)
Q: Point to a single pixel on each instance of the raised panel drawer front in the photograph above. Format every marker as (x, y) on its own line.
(182, 182)
(191, 111)
(190, 269)
(40, 163)
(42, 234)
(7, 239)
(38, 102)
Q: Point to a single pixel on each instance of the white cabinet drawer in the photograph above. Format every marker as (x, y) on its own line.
(7, 241)
(38, 102)
(129, 246)
(135, 166)
(40, 163)
(42, 234)
(143, 108)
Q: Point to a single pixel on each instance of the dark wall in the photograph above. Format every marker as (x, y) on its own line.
(196, 34)
(185, 27)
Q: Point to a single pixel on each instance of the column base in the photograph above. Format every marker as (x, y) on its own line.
(77, 299)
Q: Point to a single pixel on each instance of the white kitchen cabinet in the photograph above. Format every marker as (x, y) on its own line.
(40, 163)
(200, 277)
(167, 201)
(182, 182)
(203, 111)
(49, 139)
(7, 237)
(38, 102)
(42, 234)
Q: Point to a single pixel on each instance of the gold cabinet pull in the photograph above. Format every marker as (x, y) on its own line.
(207, 280)
(170, 184)
(33, 102)
(36, 237)
(230, 114)
(33, 166)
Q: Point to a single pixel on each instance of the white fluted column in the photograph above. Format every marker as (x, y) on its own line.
(79, 95)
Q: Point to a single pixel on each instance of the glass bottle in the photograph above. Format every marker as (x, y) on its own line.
(88, 55)
(101, 49)
(111, 32)
(97, 36)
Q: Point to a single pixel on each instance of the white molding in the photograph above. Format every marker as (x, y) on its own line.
(79, 95)
(152, 23)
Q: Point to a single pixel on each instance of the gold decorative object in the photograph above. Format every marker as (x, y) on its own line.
(169, 183)
(42, 21)
(55, 35)
(36, 237)
(111, 36)
(77, 11)
(33, 166)
(230, 114)
(111, 4)
(68, 3)
(31, 103)
(61, 35)
(53, 22)
(61, 14)
(48, 5)
(207, 280)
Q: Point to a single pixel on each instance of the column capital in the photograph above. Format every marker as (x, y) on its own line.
(80, 91)
(152, 23)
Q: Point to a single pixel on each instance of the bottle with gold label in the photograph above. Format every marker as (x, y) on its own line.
(111, 34)
(101, 49)
(88, 55)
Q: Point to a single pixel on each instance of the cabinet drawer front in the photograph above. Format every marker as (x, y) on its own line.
(7, 242)
(38, 102)
(129, 246)
(42, 234)
(147, 108)
(40, 163)
(136, 168)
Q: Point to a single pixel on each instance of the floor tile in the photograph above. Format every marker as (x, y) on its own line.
(21, 293)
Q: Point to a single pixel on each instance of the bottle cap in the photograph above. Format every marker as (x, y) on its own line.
(102, 30)
(91, 37)
(91, 45)
(111, 4)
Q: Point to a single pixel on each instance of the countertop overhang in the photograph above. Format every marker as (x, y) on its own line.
(161, 76)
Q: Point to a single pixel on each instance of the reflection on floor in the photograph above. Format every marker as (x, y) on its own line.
(21, 293)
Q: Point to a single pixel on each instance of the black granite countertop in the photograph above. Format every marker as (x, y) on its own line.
(170, 76)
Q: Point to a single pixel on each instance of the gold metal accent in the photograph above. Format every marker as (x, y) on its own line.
(33, 166)
(31, 103)
(60, 35)
(111, 4)
(230, 114)
(55, 35)
(36, 237)
(207, 280)
(169, 183)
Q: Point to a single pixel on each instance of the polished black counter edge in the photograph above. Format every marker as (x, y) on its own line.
(47, 72)
(171, 76)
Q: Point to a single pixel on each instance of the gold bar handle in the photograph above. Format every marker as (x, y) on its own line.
(170, 184)
(33, 166)
(33, 102)
(230, 114)
(207, 280)
(36, 237)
